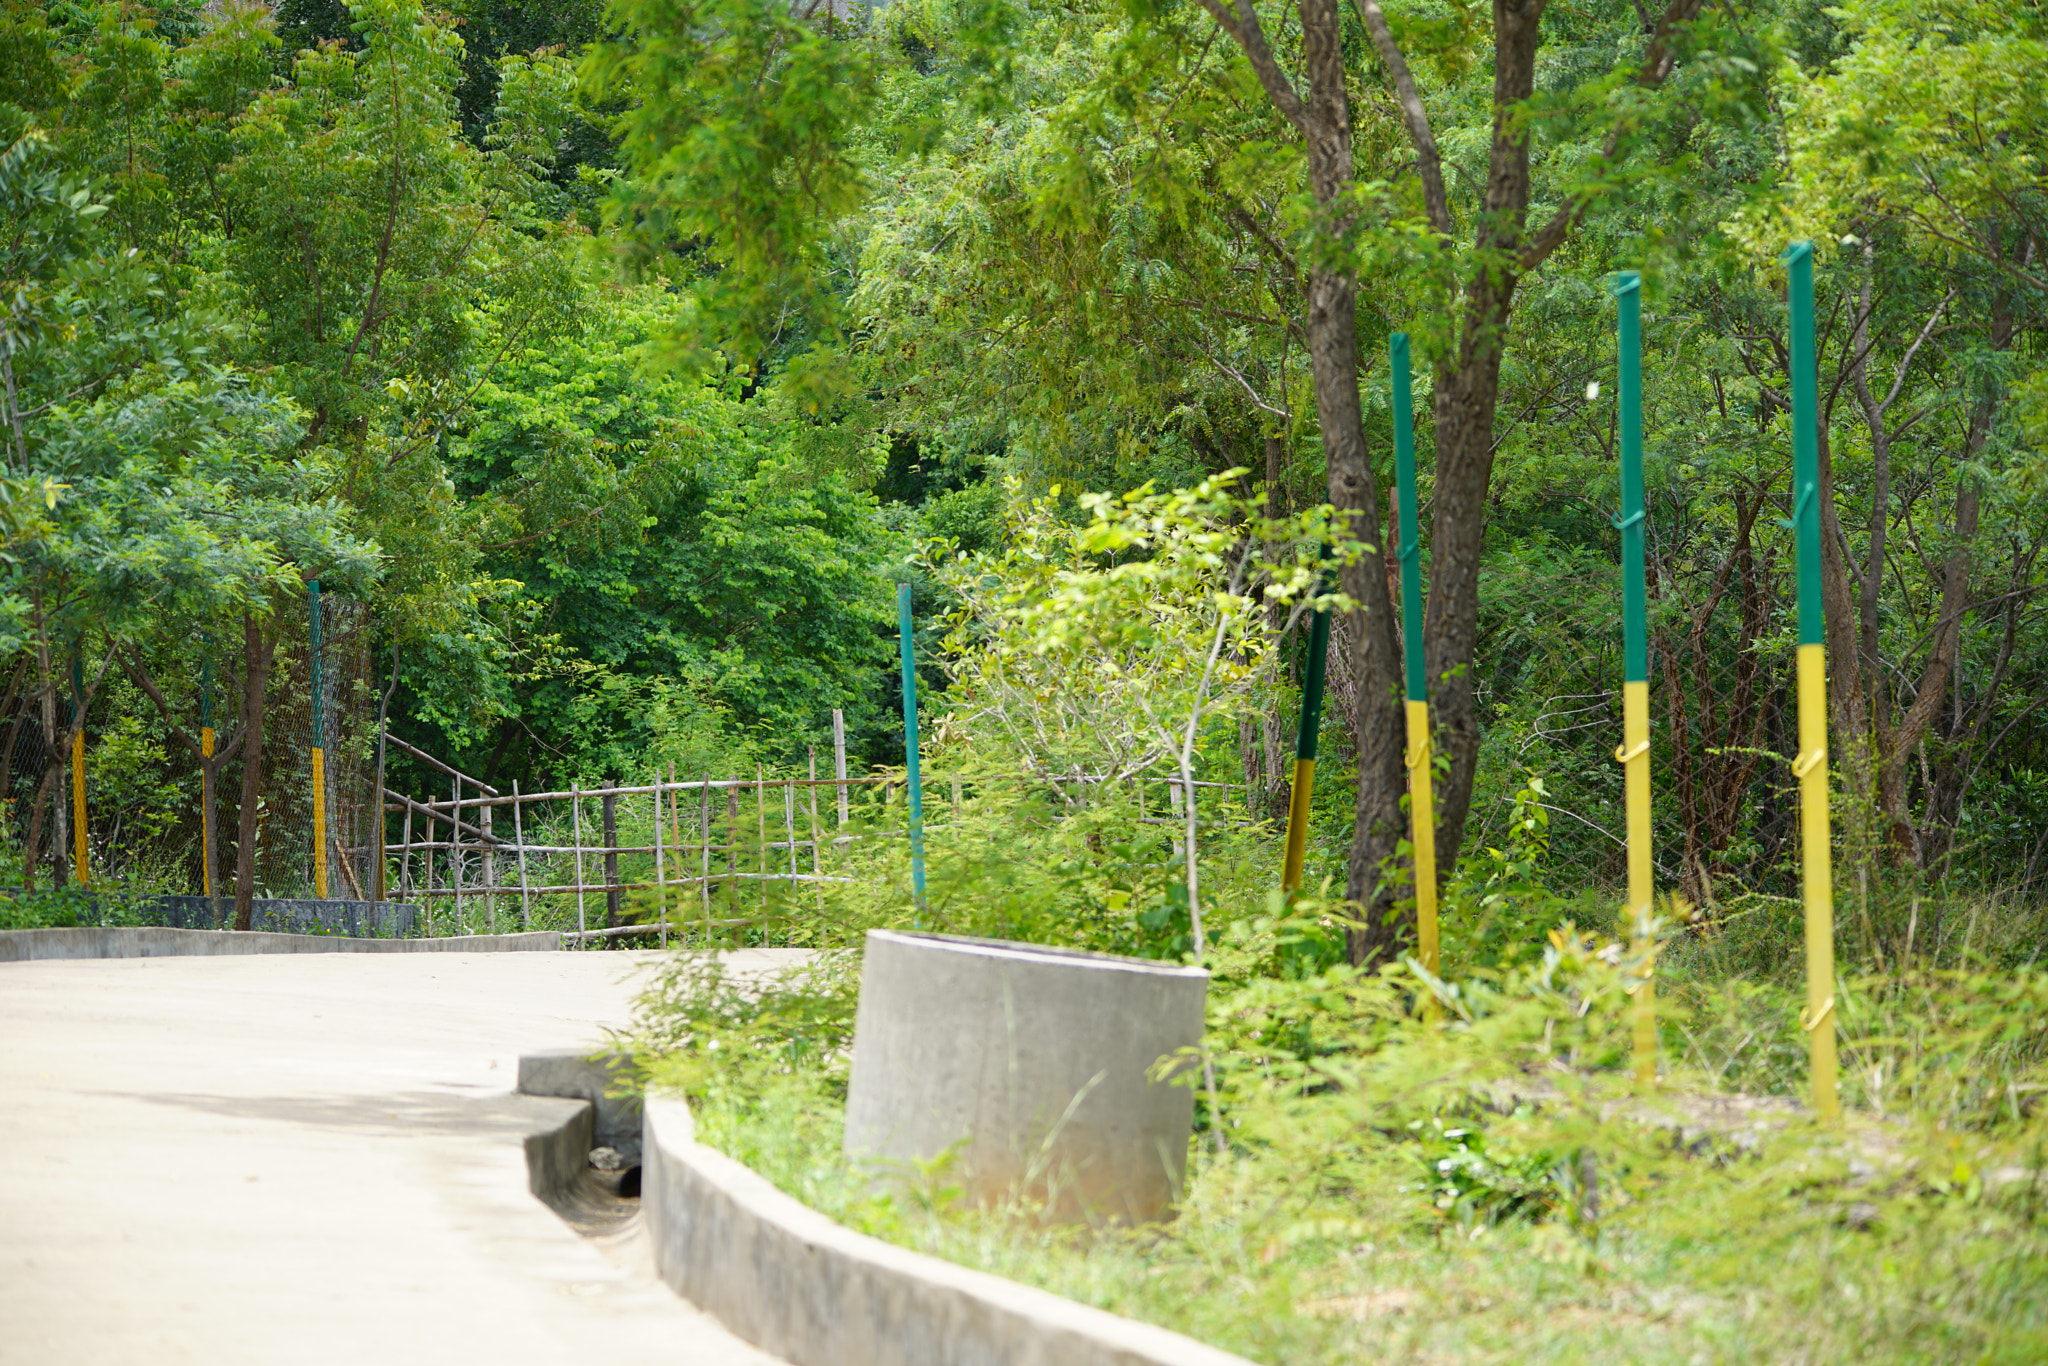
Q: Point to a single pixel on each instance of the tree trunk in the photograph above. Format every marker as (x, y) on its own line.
(1467, 393)
(57, 758)
(35, 829)
(1332, 332)
(257, 652)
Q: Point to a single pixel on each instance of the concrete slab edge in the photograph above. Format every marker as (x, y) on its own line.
(557, 1156)
(129, 941)
(799, 1286)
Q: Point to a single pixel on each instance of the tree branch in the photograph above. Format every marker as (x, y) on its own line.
(1428, 163)
(1657, 64)
(1245, 31)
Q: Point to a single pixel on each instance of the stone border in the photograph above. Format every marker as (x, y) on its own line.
(133, 941)
(797, 1285)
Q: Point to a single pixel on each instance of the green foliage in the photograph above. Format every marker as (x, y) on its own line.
(734, 144)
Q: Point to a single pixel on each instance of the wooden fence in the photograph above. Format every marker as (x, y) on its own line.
(469, 850)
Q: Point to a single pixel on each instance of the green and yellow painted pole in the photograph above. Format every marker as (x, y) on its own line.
(1634, 754)
(206, 740)
(1421, 799)
(1303, 791)
(78, 839)
(1811, 767)
(910, 774)
(319, 746)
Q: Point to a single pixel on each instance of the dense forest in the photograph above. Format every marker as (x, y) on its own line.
(606, 366)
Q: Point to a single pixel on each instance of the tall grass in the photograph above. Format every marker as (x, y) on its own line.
(1488, 1188)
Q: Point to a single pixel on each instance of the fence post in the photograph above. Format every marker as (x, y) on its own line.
(732, 843)
(455, 854)
(379, 885)
(817, 863)
(839, 761)
(1305, 738)
(319, 754)
(704, 869)
(208, 858)
(1634, 753)
(489, 847)
(608, 812)
(660, 865)
(576, 831)
(1811, 767)
(519, 838)
(789, 828)
(404, 855)
(78, 831)
(1421, 797)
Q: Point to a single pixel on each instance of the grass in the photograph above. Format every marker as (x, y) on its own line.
(1480, 1190)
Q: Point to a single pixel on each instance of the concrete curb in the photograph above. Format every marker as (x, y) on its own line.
(558, 1157)
(128, 941)
(799, 1286)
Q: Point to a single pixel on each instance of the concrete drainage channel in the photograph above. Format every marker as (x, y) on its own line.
(786, 1278)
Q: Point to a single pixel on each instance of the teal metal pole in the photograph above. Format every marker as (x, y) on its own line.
(1303, 789)
(916, 786)
(1634, 752)
(1421, 793)
(1811, 767)
(1628, 292)
(313, 622)
(319, 747)
(1411, 531)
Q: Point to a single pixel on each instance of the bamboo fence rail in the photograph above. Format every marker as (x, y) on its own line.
(450, 850)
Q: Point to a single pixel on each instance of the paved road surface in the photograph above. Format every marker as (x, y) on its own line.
(305, 1159)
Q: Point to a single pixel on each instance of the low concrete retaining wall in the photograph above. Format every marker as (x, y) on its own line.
(796, 1284)
(575, 1074)
(558, 1156)
(121, 941)
(289, 915)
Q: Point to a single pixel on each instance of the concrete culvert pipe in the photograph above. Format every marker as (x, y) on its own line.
(1035, 1062)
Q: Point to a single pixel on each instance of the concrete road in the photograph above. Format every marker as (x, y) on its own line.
(306, 1159)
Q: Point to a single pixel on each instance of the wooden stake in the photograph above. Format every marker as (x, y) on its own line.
(490, 858)
(704, 868)
(519, 837)
(405, 858)
(576, 832)
(660, 865)
(839, 760)
(817, 866)
(455, 856)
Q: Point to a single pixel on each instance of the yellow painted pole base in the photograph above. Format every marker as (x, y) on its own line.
(1297, 824)
(1817, 877)
(78, 840)
(1422, 826)
(319, 823)
(1634, 755)
(206, 823)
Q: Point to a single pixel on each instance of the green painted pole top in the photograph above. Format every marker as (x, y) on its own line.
(1411, 539)
(1805, 519)
(313, 633)
(1635, 631)
(1313, 677)
(911, 777)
